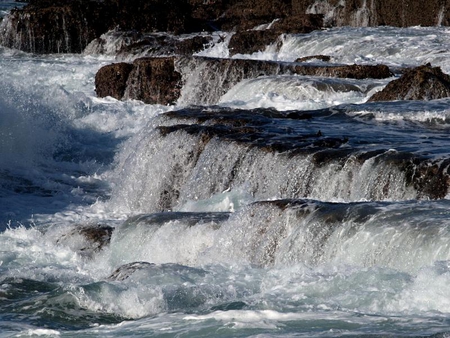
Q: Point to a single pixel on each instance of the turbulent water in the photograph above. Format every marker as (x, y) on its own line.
(287, 207)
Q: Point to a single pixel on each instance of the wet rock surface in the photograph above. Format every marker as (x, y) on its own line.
(266, 130)
(112, 80)
(57, 26)
(94, 238)
(54, 26)
(251, 41)
(159, 80)
(154, 80)
(324, 58)
(420, 83)
(129, 45)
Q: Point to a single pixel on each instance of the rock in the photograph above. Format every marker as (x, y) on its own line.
(53, 26)
(247, 14)
(345, 71)
(127, 45)
(420, 83)
(58, 26)
(251, 41)
(164, 45)
(324, 58)
(111, 80)
(252, 127)
(299, 24)
(125, 271)
(159, 80)
(154, 81)
(377, 13)
(431, 178)
(93, 238)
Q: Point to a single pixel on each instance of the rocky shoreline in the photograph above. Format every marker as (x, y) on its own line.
(59, 26)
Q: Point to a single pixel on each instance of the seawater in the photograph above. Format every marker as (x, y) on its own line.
(342, 259)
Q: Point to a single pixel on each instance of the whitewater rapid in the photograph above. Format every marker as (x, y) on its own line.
(216, 237)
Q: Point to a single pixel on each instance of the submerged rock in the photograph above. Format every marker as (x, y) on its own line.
(345, 71)
(420, 83)
(169, 269)
(125, 271)
(93, 238)
(253, 127)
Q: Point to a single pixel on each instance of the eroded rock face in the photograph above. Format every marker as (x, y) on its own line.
(57, 26)
(377, 12)
(159, 80)
(346, 71)
(151, 80)
(154, 80)
(421, 83)
(247, 14)
(248, 42)
(251, 41)
(54, 27)
(112, 80)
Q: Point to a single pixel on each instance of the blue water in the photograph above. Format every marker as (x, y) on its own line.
(218, 237)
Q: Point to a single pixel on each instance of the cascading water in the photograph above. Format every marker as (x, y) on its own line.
(285, 205)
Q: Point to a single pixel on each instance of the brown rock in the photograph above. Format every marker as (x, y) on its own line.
(346, 71)
(247, 14)
(421, 83)
(53, 27)
(59, 26)
(248, 42)
(154, 80)
(324, 58)
(159, 45)
(111, 80)
(251, 41)
(159, 80)
(299, 24)
(377, 12)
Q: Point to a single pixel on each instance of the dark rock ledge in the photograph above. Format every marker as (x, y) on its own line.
(420, 83)
(61, 26)
(159, 80)
(258, 128)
